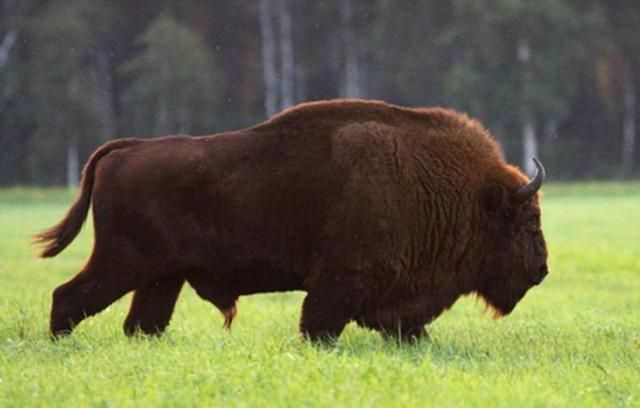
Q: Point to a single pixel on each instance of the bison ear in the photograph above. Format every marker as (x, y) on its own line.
(495, 199)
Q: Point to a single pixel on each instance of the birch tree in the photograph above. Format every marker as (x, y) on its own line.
(352, 74)
(624, 18)
(287, 73)
(269, 79)
(278, 60)
(5, 46)
(67, 85)
(628, 121)
(529, 138)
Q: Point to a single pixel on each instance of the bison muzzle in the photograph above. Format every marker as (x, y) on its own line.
(384, 215)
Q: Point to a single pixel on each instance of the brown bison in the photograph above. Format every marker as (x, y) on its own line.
(384, 215)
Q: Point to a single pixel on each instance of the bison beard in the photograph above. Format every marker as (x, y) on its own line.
(383, 215)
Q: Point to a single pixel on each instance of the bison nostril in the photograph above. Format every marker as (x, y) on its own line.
(544, 271)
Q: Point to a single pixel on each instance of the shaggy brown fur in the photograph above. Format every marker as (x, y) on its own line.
(384, 215)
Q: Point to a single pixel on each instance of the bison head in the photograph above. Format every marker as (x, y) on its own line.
(515, 257)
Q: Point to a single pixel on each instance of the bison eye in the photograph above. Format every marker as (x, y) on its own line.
(534, 223)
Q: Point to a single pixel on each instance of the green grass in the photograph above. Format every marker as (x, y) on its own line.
(573, 341)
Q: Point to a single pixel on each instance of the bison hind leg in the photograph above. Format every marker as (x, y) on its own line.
(152, 306)
(97, 286)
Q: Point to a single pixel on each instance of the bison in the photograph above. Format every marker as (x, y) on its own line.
(384, 215)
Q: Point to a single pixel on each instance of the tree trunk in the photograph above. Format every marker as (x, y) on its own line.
(268, 57)
(286, 55)
(6, 45)
(301, 86)
(529, 140)
(73, 164)
(351, 84)
(529, 145)
(104, 86)
(550, 132)
(164, 119)
(549, 138)
(628, 122)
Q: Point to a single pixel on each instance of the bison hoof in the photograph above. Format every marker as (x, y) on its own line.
(321, 338)
(55, 335)
(60, 328)
(132, 330)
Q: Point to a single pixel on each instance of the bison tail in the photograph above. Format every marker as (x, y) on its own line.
(58, 237)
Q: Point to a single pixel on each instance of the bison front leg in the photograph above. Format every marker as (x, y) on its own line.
(152, 306)
(395, 325)
(328, 307)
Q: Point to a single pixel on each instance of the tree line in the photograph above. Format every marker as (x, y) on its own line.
(557, 79)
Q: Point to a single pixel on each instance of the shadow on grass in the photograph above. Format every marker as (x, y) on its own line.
(367, 345)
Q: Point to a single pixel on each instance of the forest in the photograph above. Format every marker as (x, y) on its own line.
(555, 79)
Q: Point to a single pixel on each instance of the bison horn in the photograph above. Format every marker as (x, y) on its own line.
(527, 191)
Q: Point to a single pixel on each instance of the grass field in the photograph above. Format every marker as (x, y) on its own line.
(573, 341)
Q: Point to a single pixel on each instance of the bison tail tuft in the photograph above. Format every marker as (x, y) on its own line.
(57, 238)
